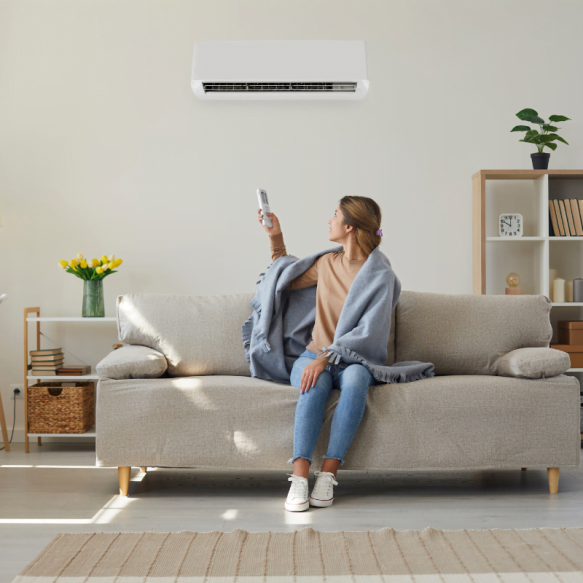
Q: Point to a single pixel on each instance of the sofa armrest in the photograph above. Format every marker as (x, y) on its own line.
(132, 362)
(533, 363)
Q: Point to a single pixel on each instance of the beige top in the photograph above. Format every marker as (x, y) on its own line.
(333, 274)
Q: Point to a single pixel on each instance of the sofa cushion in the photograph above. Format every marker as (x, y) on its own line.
(198, 335)
(132, 362)
(391, 345)
(467, 334)
(533, 363)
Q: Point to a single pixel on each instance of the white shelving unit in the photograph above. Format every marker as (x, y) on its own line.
(28, 377)
(533, 254)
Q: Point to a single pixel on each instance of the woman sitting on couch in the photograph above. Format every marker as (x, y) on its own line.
(356, 226)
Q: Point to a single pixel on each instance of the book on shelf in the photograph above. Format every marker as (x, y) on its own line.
(559, 218)
(566, 217)
(44, 373)
(74, 370)
(45, 352)
(48, 367)
(48, 358)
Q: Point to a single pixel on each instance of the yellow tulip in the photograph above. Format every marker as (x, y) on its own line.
(110, 265)
(104, 259)
(96, 263)
(118, 262)
(84, 264)
(63, 263)
(73, 263)
(98, 270)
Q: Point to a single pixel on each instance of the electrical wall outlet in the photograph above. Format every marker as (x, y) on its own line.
(14, 395)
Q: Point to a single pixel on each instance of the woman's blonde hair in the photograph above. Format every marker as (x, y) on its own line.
(364, 214)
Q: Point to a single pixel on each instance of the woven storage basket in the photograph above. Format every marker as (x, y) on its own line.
(61, 407)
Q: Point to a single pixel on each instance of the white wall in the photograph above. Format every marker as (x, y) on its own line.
(104, 149)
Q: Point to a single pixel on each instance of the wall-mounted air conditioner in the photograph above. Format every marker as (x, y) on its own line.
(279, 70)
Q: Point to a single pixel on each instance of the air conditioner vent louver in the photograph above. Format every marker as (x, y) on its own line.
(311, 87)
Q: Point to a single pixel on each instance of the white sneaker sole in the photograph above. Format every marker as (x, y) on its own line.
(297, 507)
(321, 503)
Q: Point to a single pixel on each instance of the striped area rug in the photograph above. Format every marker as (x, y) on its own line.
(306, 556)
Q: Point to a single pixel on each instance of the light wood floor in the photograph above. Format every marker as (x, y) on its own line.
(38, 501)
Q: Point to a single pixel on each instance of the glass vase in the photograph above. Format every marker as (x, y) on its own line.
(93, 306)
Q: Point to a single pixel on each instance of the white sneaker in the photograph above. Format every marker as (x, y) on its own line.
(297, 499)
(323, 493)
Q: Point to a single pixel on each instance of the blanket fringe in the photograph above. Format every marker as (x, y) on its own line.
(388, 376)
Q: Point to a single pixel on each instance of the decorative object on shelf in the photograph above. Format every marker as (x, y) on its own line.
(578, 290)
(570, 332)
(510, 225)
(61, 407)
(513, 280)
(541, 139)
(92, 273)
(552, 277)
(75, 371)
(569, 291)
(559, 290)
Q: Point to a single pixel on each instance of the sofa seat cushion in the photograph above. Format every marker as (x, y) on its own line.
(445, 422)
(464, 334)
(533, 363)
(198, 335)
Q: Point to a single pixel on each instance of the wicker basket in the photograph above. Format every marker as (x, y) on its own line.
(61, 407)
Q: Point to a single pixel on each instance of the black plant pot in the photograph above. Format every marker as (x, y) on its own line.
(540, 160)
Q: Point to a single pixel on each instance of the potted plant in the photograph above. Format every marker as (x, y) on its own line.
(92, 272)
(546, 137)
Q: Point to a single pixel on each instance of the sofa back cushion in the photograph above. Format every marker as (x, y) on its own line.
(198, 335)
(467, 334)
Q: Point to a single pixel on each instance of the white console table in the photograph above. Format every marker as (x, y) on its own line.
(27, 377)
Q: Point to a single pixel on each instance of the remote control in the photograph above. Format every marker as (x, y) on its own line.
(264, 205)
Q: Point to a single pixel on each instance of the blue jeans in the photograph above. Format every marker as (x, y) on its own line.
(353, 381)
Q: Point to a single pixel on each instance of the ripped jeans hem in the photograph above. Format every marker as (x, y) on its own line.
(292, 459)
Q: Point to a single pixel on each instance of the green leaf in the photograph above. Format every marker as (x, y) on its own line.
(549, 128)
(531, 133)
(556, 137)
(559, 118)
(520, 129)
(526, 113)
(535, 119)
(551, 146)
(546, 138)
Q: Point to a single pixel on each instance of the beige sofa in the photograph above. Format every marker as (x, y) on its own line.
(180, 393)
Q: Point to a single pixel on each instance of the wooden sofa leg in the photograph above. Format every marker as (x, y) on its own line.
(124, 480)
(143, 469)
(553, 480)
(524, 469)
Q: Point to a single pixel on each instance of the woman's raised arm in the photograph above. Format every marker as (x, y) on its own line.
(306, 279)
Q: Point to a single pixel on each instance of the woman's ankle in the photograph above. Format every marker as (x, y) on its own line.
(301, 467)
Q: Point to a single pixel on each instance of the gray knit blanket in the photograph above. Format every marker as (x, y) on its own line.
(280, 326)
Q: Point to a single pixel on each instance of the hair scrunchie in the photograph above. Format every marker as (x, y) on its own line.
(379, 232)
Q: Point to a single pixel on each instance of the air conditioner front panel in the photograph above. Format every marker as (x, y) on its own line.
(279, 70)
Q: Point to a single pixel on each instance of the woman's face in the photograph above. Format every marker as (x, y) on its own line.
(338, 228)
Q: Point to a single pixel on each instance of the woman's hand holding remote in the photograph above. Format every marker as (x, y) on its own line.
(271, 231)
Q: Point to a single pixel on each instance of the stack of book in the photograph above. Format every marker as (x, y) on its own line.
(75, 371)
(46, 362)
(565, 217)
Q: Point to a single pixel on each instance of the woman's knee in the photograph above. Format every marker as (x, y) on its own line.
(357, 375)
